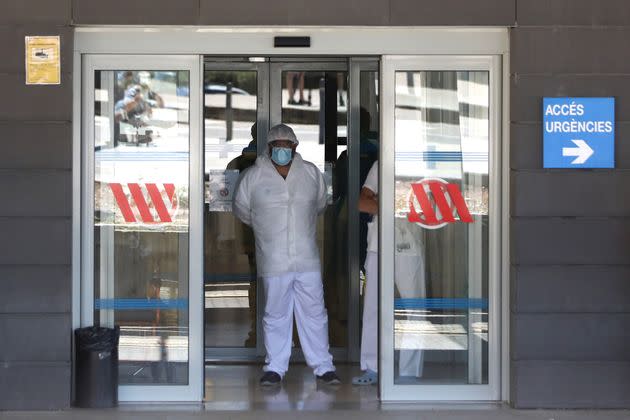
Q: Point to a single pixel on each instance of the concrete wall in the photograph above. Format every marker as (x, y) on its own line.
(295, 12)
(570, 231)
(570, 228)
(35, 213)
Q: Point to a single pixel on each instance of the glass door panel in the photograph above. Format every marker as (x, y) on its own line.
(140, 131)
(230, 147)
(312, 98)
(440, 323)
(141, 221)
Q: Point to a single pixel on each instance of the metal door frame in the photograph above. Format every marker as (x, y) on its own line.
(432, 392)
(357, 65)
(258, 42)
(90, 64)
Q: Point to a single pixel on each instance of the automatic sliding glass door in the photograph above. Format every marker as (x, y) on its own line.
(242, 99)
(440, 228)
(141, 223)
(234, 112)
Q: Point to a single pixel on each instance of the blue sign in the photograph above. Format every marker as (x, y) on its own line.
(578, 132)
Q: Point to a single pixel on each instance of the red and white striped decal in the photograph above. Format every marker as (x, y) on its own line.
(438, 201)
(146, 202)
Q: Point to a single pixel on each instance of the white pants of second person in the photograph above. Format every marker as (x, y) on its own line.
(410, 283)
(301, 294)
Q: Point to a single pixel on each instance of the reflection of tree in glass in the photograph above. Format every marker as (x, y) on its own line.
(476, 198)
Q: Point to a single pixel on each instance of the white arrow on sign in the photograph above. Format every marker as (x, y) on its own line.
(583, 151)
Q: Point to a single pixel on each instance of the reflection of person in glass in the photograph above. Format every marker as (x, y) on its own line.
(152, 97)
(136, 109)
(340, 87)
(409, 282)
(123, 81)
(248, 154)
(292, 76)
(240, 163)
(164, 319)
(280, 197)
(132, 105)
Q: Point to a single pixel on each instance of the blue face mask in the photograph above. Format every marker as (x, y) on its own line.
(281, 155)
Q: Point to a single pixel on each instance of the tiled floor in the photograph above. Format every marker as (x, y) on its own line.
(164, 412)
(236, 388)
(233, 393)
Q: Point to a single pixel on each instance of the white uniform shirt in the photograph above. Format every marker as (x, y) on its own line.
(283, 214)
(371, 183)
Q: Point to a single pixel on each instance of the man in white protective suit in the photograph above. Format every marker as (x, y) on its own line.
(280, 198)
(409, 282)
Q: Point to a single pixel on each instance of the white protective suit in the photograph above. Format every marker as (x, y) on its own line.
(283, 214)
(409, 280)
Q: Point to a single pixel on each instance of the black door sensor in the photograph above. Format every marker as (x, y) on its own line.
(292, 41)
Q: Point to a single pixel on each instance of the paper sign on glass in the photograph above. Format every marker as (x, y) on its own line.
(220, 189)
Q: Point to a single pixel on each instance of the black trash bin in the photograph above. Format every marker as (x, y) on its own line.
(96, 367)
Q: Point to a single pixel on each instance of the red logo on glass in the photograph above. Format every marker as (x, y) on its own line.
(164, 202)
(437, 202)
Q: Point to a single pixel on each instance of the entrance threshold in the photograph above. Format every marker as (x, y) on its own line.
(230, 387)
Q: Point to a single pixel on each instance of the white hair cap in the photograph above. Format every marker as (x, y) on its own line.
(281, 132)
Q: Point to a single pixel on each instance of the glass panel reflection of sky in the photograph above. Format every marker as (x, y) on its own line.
(441, 276)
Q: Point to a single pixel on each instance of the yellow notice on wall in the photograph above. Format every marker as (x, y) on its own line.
(43, 66)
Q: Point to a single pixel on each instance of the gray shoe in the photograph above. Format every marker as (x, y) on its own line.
(369, 377)
(270, 379)
(329, 378)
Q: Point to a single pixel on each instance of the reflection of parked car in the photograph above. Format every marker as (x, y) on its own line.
(217, 89)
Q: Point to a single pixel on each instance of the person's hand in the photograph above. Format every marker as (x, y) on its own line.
(368, 201)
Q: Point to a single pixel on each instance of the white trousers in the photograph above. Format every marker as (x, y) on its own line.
(410, 282)
(369, 335)
(301, 294)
